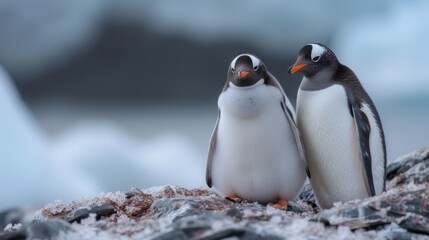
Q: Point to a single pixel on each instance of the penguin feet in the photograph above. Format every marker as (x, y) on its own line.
(234, 199)
(280, 204)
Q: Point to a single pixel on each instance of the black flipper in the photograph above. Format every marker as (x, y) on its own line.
(364, 130)
(212, 148)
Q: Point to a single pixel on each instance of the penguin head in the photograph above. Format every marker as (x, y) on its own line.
(246, 70)
(313, 58)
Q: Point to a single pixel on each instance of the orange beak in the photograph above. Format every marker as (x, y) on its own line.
(297, 68)
(244, 74)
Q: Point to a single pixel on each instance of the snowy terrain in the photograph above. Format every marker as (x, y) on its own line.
(172, 212)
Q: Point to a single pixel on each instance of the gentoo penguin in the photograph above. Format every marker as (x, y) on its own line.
(340, 128)
(255, 151)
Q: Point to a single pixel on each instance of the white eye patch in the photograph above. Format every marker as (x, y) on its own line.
(255, 60)
(316, 52)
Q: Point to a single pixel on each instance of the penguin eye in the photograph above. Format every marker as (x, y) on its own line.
(316, 59)
(232, 69)
(255, 68)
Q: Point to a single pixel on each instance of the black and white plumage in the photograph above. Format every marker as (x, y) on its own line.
(255, 150)
(340, 127)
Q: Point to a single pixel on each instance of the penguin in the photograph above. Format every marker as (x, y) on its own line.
(341, 130)
(255, 152)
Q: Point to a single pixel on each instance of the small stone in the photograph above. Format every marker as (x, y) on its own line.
(99, 211)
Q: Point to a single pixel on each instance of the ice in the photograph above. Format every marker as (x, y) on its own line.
(12, 227)
(29, 175)
(155, 191)
(276, 219)
(91, 157)
(117, 197)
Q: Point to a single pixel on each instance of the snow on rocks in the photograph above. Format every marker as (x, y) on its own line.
(12, 227)
(172, 212)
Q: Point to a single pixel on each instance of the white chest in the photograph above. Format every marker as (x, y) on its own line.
(251, 120)
(247, 102)
(256, 155)
(331, 144)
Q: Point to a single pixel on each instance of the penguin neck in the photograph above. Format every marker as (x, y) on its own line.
(318, 81)
(257, 84)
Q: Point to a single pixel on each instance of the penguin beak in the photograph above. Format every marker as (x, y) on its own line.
(243, 74)
(296, 68)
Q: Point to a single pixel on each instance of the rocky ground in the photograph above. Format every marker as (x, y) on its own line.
(171, 212)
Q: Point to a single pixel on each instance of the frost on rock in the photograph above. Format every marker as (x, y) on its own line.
(12, 227)
(405, 203)
(172, 212)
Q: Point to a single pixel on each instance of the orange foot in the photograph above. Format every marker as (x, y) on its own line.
(234, 198)
(280, 204)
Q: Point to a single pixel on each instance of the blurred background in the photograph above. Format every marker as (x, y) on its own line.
(106, 95)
